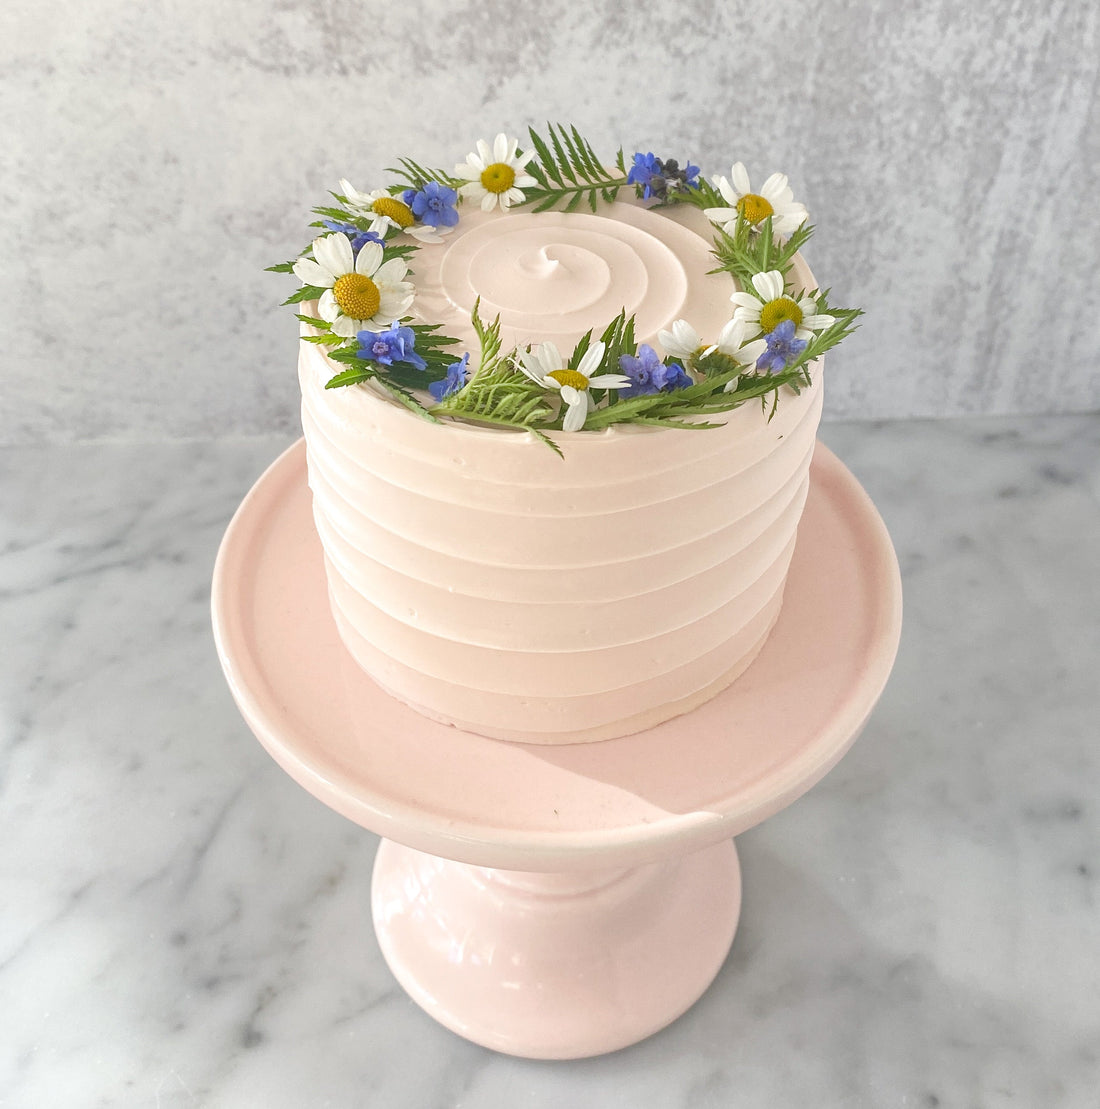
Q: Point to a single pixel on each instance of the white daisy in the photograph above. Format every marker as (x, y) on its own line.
(775, 199)
(385, 211)
(763, 311)
(732, 342)
(546, 366)
(682, 341)
(495, 176)
(361, 293)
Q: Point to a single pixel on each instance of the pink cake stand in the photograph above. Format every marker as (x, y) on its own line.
(556, 902)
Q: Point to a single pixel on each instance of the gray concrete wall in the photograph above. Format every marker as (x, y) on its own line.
(156, 156)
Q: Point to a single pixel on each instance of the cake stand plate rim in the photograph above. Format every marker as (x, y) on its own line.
(250, 674)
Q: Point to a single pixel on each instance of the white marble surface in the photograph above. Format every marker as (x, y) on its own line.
(182, 925)
(156, 157)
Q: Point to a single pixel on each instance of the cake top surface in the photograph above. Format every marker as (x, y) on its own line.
(542, 290)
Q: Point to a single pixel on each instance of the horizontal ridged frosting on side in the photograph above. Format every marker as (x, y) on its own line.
(594, 582)
(559, 624)
(580, 717)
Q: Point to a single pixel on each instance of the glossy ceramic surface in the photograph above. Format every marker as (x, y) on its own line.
(555, 966)
(688, 783)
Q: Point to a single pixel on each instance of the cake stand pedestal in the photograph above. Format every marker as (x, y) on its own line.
(556, 902)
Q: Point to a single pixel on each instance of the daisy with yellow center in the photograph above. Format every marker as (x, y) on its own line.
(362, 293)
(769, 305)
(774, 199)
(495, 175)
(387, 212)
(682, 341)
(545, 366)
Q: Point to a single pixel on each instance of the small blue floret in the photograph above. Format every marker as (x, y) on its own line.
(388, 347)
(783, 348)
(455, 379)
(434, 204)
(648, 374)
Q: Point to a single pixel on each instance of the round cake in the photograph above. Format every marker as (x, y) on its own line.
(495, 586)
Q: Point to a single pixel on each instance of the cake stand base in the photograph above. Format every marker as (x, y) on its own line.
(555, 966)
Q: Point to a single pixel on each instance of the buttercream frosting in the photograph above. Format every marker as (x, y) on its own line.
(493, 585)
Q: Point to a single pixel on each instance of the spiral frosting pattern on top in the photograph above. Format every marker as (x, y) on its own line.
(491, 584)
(556, 275)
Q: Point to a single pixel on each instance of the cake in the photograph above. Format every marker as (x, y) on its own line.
(590, 565)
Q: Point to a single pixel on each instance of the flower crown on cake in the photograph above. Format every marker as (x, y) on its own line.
(358, 272)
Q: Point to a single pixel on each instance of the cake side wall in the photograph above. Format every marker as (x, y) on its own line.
(493, 585)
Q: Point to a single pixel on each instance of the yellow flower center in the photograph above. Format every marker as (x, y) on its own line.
(394, 209)
(498, 178)
(356, 296)
(754, 208)
(570, 377)
(776, 311)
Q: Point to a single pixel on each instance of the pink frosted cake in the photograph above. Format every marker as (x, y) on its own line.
(526, 533)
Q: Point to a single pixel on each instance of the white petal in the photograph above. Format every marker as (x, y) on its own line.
(769, 285)
(393, 305)
(423, 233)
(484, 153)
(471, 190)
(746, 301)
(775, 188)
(721, 215)
(391, 271)
(591, 359)
(468, 172)
(370, 258)
(609, 381)
(512, 196)
(818, 322)
(524, 181)
(346, 326)
(577, 413)
(750, 352)
(731, 336)
(310, 273)
(529, 364)
(327, 308)
(740, 177)
(488, 201)
(571, 395)
(523, 159)
(334, 253)
(549, 358)
(729, 193)
(500, 148)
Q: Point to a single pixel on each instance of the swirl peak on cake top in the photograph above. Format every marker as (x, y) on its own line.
(542, 290)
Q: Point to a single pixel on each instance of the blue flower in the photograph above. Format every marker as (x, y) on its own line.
(358, 238)
(783, 348)
(656, 177)
(675, 378)
(648, 374)
(388, 347)
(455, 379)
(647, 171)
(434, 204)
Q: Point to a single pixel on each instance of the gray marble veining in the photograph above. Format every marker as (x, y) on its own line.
(182, 925)
(157, 156)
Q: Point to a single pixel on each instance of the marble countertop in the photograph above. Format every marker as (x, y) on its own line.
(182, 925)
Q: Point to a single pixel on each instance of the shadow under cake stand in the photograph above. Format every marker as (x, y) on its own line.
(563, 901)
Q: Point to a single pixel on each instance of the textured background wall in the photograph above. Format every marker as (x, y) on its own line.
(157, 155)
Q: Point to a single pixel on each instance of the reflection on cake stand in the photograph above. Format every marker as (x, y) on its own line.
(556, 902)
